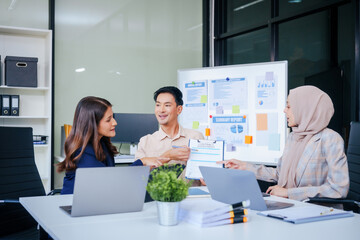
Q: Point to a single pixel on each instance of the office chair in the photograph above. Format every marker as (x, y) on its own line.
(352, 201)
(19, 177)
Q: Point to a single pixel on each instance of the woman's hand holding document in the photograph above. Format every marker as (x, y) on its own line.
(203, 153)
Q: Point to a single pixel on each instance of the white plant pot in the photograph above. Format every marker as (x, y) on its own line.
(168, 213)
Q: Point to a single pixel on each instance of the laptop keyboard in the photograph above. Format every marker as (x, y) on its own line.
(272, 205)
(265, 194)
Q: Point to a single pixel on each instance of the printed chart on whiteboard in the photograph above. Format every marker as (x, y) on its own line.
(242, 105)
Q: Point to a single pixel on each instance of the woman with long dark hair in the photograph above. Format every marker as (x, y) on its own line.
(88, 144)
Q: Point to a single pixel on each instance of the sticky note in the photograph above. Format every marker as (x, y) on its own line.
(261, 122)
(219, 110)
(207, 132)
(262, 138)
(248, 139)
(230, 147)
(195, 125)
(274, 142)
(203, 99)
(236, 109)
(269, 76)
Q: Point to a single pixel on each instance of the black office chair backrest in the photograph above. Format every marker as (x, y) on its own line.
(19, 177)
(353, 156)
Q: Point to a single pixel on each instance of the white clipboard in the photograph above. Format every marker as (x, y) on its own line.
(203, 153)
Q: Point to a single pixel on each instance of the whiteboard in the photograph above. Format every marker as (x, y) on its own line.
(241, 104)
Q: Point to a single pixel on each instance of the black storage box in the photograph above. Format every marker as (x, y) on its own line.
(21, 71)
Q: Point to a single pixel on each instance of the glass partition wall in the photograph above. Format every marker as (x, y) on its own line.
(316, 37)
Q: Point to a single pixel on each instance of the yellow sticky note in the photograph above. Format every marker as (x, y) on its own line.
(261, 122)
(236, 109)
(248, 139)
(203, 99)
(195, 125)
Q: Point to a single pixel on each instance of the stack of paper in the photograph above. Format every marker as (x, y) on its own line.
(206, 212)
(310, 213)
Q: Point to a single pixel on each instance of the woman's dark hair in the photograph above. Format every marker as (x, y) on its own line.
(84, 131)
(173, 91)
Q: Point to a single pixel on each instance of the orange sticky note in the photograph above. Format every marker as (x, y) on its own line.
(248, 139)
(261, 122)
(207, 132)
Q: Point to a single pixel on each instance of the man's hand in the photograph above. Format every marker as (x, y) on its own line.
(180, 153)
(154, 162)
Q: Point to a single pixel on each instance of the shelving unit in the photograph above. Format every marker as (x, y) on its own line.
(35, 103)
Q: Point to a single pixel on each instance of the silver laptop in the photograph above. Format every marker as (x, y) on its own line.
(233, 186)
(108, 190)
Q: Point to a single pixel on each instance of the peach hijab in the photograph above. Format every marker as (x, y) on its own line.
(312, 110)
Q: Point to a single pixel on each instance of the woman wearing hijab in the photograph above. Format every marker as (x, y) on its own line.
(313, 163)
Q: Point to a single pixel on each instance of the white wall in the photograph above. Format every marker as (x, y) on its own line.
(28, 13)
(129, 49)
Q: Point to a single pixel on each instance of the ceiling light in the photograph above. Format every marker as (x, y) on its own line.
(12, 5)
(80, 70)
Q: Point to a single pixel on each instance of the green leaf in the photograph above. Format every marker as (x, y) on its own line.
(164, 185)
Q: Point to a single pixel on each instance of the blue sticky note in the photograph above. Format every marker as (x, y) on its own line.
(269, 76)
(230, 147)
(274, 142)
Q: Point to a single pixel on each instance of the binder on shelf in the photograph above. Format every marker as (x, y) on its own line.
(15, 103)
(40, 139)
(5, 105)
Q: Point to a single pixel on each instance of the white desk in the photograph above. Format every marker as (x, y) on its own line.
(124, 159)
(143, 225)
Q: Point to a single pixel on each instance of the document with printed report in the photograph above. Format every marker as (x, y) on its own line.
(311, 213)
(203, 153)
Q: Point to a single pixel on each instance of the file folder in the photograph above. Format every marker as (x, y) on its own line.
(5, 105)
(310, 213)
(15, 102)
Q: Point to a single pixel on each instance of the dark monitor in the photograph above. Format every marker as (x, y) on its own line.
(132, 126)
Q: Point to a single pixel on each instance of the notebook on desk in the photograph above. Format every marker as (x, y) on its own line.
(233, 186)
(108, 190)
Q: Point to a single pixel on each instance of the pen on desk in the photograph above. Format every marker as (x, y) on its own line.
(192, 149)
(327, 211)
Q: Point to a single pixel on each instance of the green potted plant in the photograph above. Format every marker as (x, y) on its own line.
(167, 190)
